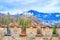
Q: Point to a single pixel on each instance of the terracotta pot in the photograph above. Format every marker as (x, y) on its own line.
(55, 35)
(23, 32)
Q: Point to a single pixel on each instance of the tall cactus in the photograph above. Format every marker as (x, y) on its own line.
(8, 22)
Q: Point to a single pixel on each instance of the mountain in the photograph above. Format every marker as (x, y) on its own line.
(17, 15)
(34, 12)
(1, 15)
(46, 18)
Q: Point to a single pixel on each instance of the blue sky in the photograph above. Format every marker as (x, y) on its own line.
(18, 6)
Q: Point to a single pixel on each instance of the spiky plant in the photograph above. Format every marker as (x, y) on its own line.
(54, 29)
(8, 22)
(24, 23)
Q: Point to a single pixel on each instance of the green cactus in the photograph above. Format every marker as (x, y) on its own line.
(24, 23)
(54, 29)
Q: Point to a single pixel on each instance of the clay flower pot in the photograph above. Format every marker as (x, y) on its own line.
(23, 33)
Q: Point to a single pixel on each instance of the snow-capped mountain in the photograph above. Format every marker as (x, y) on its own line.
(46, 18)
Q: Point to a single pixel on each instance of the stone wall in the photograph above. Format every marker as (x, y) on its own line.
(28, 38)
(34, 31)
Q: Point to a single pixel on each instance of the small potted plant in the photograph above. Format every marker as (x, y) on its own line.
(54, 31)
(8, 22)
(8, 30)
(24, 24)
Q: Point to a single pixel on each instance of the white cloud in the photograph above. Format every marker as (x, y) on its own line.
(47, 6)
(9, 1)
(27, 14)
(28, 1)
(21, 1)
(15, 11)
(51, 7)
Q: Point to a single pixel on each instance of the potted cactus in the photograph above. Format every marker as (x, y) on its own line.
(8, 22)
(24, 23)
(54, 31)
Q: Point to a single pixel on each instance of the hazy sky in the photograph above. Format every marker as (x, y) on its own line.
(14, 6)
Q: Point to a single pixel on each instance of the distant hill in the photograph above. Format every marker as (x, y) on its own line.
(1, 15)
(47, 18)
